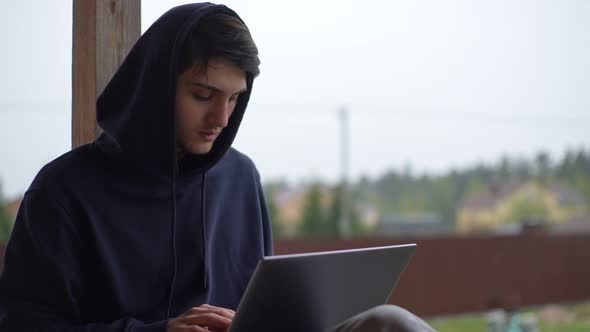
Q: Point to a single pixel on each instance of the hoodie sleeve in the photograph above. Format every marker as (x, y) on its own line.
(41, 282)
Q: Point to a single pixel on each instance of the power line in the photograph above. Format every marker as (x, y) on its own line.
(414, 110)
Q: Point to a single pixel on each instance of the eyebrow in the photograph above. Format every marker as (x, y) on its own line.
(212, 88)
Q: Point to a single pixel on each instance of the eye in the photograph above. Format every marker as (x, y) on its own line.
(202, 97)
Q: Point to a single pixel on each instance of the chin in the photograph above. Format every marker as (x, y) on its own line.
(200, 149)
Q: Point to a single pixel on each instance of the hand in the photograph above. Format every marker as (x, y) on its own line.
(202, 318)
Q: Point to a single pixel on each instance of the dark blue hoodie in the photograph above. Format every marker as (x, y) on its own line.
(118, 235)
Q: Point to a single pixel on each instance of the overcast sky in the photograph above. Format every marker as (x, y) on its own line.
(431, 84)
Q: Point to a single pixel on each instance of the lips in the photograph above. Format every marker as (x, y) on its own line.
(209, 135)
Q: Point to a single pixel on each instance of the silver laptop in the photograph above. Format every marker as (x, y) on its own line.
(315, 291)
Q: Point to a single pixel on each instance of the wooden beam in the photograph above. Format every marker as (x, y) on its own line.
(103, 33)
(83, 73)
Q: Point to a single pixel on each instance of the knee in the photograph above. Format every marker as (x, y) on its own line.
(392, 318)
(384, 316)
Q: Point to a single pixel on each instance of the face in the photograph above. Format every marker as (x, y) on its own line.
(204, 102)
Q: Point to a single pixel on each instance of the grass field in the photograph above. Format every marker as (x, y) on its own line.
(477, 324)
(563, 318)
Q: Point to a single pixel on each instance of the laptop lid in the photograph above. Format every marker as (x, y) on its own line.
(315, 291)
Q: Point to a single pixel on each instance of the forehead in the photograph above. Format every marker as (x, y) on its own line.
(220, 73)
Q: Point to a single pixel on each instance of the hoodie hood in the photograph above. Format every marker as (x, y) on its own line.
(136, 109)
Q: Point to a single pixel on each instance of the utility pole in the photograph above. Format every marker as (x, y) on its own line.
(344, 222)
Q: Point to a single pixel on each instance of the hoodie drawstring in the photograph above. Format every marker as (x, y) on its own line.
(203, 230)
(203, 244)
(175, 258)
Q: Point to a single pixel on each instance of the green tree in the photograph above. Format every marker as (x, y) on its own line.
(505, 167)
(581, 182)
(5, 220)
(314, 221)
(526, 208)
(357, 228)
(332, 226)
(474, 187)
(574, 169)
(5, 226)
(278, 228)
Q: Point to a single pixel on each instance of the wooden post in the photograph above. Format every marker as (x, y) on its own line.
(103, 33)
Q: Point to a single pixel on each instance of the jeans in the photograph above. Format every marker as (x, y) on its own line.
(384, 318)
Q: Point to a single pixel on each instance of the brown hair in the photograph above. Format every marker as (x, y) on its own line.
(220, 35)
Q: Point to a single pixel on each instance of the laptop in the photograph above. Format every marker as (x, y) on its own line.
(313, 292)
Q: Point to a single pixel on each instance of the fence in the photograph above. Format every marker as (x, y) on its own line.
(451, 275)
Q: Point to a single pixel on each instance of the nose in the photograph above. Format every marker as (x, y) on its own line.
(219, 114)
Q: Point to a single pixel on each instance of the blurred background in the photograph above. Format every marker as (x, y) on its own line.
(381, 121)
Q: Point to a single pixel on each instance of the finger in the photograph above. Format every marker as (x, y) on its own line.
(207, 305)
(207, 319)
(217, 310)
(225, 309)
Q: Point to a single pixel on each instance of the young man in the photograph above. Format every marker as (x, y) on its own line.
(158, 224)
